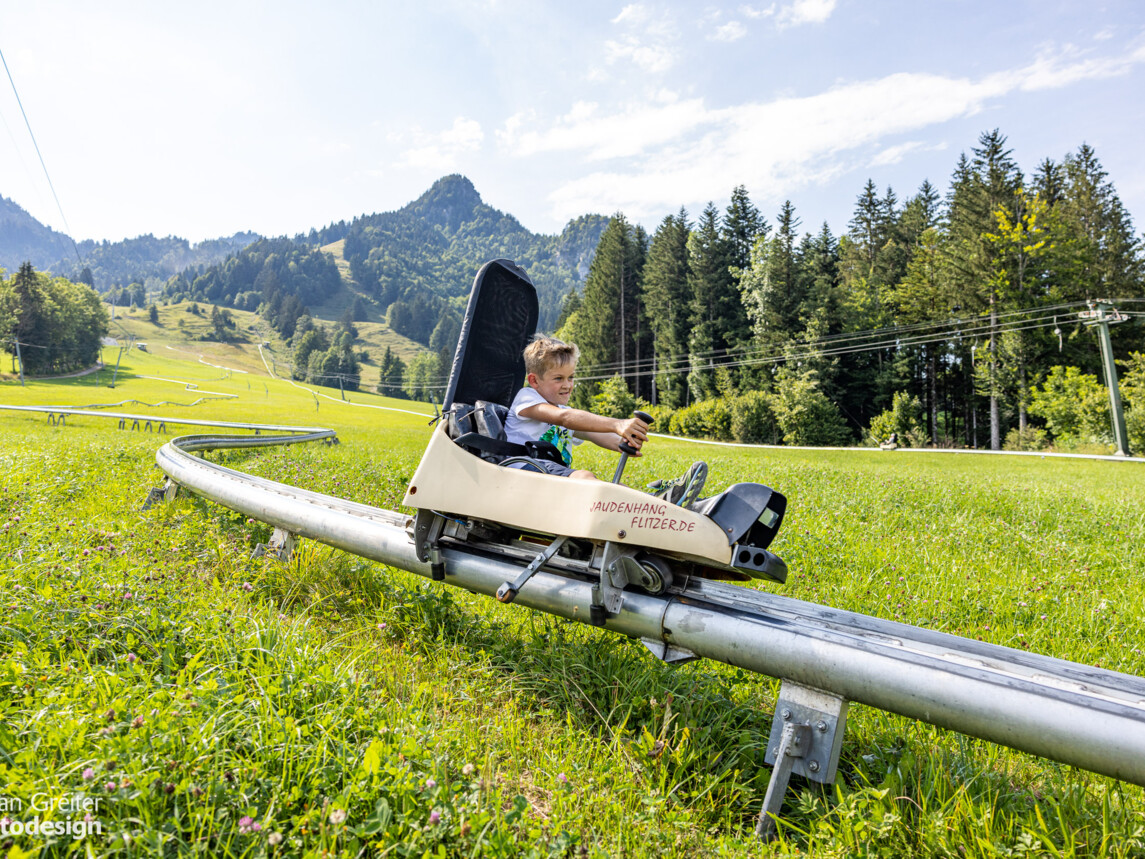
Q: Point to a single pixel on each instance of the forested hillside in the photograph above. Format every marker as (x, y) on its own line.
(414, 265)
(144, 259)
(105, 265)
(941, 316)
(24, 239)
(420, 260)
(278, 275)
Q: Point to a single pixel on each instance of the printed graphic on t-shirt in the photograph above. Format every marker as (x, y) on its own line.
(560, 438)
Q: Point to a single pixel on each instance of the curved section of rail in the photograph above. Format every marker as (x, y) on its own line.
(1075, 714)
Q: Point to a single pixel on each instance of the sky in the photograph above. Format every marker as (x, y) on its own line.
(204, 119)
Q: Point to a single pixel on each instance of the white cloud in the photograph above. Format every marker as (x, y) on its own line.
(1050, 72)
(665, 152)
(633, 13)
(806, 12)
(648, 40)
(730, 32)
(599, 137)
(895, 154)
(440, 151)
(653, 58)
(753, 12)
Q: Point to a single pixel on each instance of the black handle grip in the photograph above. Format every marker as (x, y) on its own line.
(625, 447)
(644, 416)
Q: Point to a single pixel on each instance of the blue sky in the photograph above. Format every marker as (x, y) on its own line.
(203, 119)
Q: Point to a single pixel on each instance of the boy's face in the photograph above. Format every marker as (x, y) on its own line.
(556, 384)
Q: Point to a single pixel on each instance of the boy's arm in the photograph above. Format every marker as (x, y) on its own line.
(596, 428)
(608, 440)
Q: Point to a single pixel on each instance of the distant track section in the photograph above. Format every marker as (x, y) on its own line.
(1076, 714)
(160, 419)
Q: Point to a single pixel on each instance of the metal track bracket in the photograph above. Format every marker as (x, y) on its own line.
(806, 737)
(166, 492)
(281, 546)
(669, 653)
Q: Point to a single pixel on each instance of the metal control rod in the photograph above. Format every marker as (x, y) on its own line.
(1071, 713)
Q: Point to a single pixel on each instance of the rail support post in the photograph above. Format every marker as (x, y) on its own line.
(806, 737)
(281, 546)
(166, 492)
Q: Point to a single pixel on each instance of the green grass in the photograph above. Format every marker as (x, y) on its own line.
(178, 331)
(347, 708)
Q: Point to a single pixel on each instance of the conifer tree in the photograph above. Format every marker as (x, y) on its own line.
(718, 318)
(391, 376)
(982, 187)
(773, 294)
(608, 326)
(821, 312)
(667, 301)
(743, 224)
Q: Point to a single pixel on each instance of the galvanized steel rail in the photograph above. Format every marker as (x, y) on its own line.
(1075, 714)
(160, 419)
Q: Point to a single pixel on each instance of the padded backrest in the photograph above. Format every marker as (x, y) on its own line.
(459, 420)
(490, 419)
(499, 323)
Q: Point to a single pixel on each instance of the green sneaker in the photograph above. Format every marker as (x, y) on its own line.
(682, 491)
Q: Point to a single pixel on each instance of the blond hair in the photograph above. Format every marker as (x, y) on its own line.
(544, 353)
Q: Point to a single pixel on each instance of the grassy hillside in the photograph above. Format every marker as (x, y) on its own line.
(179, 331)
(336, 305)
(236, 707)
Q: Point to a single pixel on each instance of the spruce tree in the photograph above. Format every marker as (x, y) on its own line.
(743, 224)
(719, 321)
(667, 301)
(982, 188)
(608, 326)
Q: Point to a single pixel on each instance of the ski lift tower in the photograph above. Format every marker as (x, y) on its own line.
(1102, 314)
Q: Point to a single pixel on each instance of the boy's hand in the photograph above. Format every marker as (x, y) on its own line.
(632, 430)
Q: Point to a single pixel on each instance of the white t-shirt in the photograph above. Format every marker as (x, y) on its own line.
(520, 430)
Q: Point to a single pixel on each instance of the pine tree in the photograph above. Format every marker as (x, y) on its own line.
(391, 375)
(609, 326)
(981, 189)
(868, 229)
(1103, 256)
(820, 315)
(743, 225)
(667, 301)
(1048, 181)
(718, 318)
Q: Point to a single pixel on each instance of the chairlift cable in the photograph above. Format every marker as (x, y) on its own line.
(55, 197)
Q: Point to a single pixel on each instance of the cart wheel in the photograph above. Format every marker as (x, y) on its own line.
(656, 575)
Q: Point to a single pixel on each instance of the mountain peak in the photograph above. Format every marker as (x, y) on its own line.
(450, 202)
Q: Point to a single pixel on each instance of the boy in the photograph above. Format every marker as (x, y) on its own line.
(540, 412)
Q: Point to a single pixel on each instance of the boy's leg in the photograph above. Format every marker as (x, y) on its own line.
(545, 466)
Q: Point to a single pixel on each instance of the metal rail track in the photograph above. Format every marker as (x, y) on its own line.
(1075, 714)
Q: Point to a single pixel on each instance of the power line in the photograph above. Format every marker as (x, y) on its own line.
(889, 337)
(892, 337)
(810, 351)
(75, 247)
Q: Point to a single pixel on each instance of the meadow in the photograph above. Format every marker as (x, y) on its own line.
(189, 699)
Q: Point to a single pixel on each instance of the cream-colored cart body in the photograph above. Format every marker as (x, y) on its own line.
(454, 481)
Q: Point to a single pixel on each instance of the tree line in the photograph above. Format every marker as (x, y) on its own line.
(961, 304)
